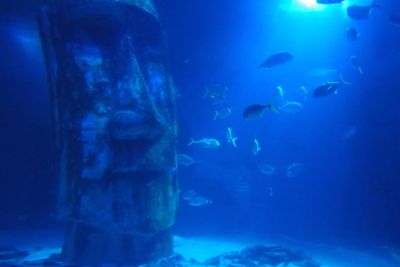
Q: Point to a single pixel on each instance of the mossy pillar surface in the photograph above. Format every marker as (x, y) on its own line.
(113, 106)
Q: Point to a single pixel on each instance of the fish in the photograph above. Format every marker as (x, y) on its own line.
(282, 104)
(206, 142)
(216, 94)
(255, 147)
(187, 195)
(352, 34)
(280, 91)
(230, 138)
(356, 12)
(222, 114)
(327, 2)
(265, 168)
(278, 99)
(276, 59)
(326, 89)
(199, 201)
(184, 159)
(329, 88)
(394, 20)
(256, 111)
(294, 169)
(194, 199)
(356, 65)
(304, 92)
(291, 106)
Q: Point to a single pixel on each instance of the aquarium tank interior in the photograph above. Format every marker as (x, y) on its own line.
(177, 133)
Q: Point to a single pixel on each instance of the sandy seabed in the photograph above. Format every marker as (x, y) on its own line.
(40, 244)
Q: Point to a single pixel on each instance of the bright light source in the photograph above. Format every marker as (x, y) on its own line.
(309, 3)
(301, 5)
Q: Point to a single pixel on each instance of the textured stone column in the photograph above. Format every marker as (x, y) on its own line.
(113, 106)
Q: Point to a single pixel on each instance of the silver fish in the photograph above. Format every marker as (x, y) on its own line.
(195, 200)
(291, 106)
(184, 159)
(294, 169)
(206, 142)
(280, 92)
(199, 201)
(222, 114)
(216, 94)
(266, 169)
(255, 147)
(230, 138)
(304, 92)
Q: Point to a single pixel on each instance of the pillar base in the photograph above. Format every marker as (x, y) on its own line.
(86, 244)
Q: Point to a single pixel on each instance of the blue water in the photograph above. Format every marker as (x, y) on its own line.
(348, 143)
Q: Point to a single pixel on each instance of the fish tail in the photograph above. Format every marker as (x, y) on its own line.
(234, 141)
(305, 93)
(216, 115)
(342, 80)
(191, 142)
(272, 107)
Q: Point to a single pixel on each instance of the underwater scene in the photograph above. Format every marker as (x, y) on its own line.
(171, 133)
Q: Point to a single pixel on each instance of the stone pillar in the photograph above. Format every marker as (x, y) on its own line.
(113, 107)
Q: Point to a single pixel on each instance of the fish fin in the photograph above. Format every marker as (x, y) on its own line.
(272, 107)
(216, 115)
(191, 142)
(342, 80)
(234, 141)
